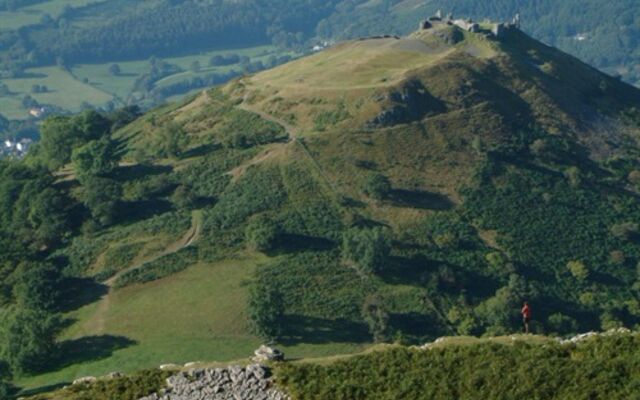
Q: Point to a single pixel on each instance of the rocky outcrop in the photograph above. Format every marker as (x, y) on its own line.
(410, 103)
(233, 383)
(267, 354)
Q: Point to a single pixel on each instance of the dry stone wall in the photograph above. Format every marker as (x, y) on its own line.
(233, 383)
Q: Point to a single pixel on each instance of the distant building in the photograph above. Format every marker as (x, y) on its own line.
(37, 112)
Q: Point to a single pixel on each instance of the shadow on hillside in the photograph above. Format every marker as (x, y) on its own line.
(138, 171)
(135, 211)
(42, 389)
(303, 329)
(79, 292)
(408, 271)
(292, 243)
(420, 199)
(200, 150)
(87, 349)
(415, 326)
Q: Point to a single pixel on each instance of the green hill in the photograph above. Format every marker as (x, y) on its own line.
(384, 189)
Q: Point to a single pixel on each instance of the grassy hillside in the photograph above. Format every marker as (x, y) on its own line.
(390, 189)
(487, 369)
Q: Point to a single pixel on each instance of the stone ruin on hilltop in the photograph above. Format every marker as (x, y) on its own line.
(497, 30)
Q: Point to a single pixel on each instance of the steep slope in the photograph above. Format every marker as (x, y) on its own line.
(506, 160)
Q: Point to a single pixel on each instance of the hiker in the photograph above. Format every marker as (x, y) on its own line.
(526, 316)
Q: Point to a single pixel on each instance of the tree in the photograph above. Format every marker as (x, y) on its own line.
(368, 249)
(562, 324)
(195, 66)
(579, 270)
(574, 176)
(261, 234)
(59, 135)
(377, 187)
(27, 338)
(376, 317)
(634, 178)
(171, 140)
(184, 197)
(625, 230)
(37, 286)
(96, 158)
(114, 69)
(266, 310)
(102, 197)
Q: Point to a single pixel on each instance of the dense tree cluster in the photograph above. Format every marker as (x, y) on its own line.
(38, 214)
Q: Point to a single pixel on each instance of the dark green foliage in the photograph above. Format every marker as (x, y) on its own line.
(131, 387)
(261, 233)
(604, 368)
(377, 187)
(266, 309)
(315, 284)
(574, 241)
(184, 197)
(102, 197)
(257, 191)
(160, 268)
(31, 208)
(376, 317)
(96, 158)
(60, 135)
(6, 388)
(367, 249)
(170, 141)
(27, 338)
(36, 286)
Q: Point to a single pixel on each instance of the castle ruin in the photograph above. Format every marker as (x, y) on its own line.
(498, 30)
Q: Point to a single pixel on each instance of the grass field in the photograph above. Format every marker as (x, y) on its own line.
(196, 315)
(64, 91)
(32, 14)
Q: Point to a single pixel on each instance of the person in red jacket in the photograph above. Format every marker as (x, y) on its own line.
(526, 316)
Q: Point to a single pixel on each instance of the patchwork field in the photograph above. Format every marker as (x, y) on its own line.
(93, 84)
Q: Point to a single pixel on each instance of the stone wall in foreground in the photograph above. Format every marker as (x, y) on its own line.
(232, 383)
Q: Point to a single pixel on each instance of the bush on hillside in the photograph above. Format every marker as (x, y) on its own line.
(266, 310)
(367, 249)
(377, 187)
(261, 233)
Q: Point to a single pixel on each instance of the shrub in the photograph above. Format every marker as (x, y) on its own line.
(377, 187)
(625, 230)
(266, 309)
(376, 317)
(368, 249)
(261, 233)
(578, 270)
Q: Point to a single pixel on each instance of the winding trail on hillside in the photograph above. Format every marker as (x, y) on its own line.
(191, 236)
